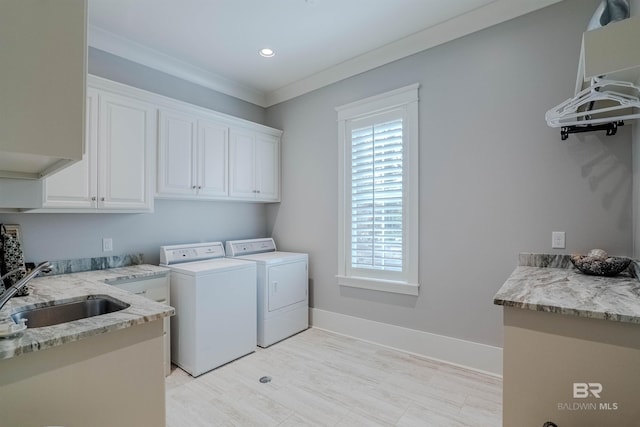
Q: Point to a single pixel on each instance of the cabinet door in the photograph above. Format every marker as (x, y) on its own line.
(125, 153)
(176, 154)
(212, 164)
(156, 289)
(43, 49)
(287, 284)
(267, 166)
(241, 165)
(76, 186)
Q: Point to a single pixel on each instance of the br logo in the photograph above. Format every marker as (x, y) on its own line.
(584, 390)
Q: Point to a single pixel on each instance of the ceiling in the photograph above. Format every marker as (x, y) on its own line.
(215, 43)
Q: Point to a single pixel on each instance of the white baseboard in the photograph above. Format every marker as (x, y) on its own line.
(478, 357)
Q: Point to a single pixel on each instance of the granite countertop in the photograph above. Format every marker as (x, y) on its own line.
(68, 286)
(551, 284)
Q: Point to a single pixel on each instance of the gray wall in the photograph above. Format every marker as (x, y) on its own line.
(494, 179)
(70, 236)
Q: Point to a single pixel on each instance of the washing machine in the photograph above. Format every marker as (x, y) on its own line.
(283, 288)
(215, 300)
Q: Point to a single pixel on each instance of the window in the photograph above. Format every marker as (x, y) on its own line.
(378, 206)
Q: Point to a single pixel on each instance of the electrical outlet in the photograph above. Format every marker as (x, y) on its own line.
(107, 244)
(558, 240)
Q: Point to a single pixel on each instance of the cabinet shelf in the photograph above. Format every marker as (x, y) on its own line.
(612, 51)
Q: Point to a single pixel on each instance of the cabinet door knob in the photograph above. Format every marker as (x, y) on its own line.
(102, 199)
(94, 198)
(193, 187)
(199, 187)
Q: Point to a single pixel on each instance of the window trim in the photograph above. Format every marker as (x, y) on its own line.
(405, 99)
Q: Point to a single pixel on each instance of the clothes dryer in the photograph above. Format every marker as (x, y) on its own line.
(283, 288)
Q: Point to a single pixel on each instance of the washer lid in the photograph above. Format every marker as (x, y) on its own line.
(199, 268)
(174, 254)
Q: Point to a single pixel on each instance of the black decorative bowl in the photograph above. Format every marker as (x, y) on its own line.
(597, 266)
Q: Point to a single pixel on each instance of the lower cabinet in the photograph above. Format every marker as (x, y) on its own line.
(569, 370)
(156, 289)
(106, 380)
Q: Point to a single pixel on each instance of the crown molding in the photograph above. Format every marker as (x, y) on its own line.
(460, 26)
(483, 17)
(117, 45)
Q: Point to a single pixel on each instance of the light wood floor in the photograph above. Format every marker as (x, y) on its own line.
(319, 378)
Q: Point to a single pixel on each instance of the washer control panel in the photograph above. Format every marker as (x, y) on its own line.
(193, 252)
(251, 246)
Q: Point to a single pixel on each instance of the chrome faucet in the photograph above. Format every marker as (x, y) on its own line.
(43, 267)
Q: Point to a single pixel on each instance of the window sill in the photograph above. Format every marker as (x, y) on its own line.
(392, 286)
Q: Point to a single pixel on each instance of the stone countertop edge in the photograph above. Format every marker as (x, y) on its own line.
(550, 283)
(67, 286)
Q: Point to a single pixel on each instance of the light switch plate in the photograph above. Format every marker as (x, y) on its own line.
(558, 240)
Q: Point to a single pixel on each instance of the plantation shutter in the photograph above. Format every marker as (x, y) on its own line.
(376, 196)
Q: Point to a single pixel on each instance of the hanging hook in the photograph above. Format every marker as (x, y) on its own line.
(611, 128)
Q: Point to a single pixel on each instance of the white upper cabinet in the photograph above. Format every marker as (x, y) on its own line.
(176, 154)
(611, 51)
(126, 140)
(192, 157)
(43, 50)
(254, 165)
(242, 168)
(77, 185)
(201, 155)
(213, 153)
(116, 172)
(267, 164)
(204, 155)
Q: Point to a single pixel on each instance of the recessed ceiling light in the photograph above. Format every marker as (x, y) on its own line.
(266, 52)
